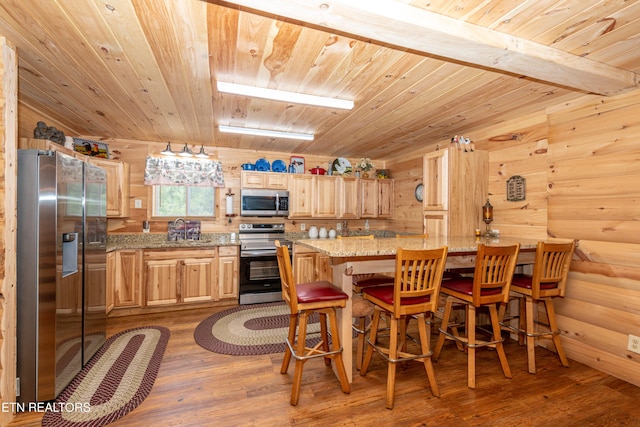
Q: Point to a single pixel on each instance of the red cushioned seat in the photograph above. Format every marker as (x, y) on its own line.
(464, 285)
(524, 281)
(385, 294)
(318, 292)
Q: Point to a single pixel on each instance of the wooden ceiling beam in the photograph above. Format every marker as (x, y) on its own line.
(407, 27)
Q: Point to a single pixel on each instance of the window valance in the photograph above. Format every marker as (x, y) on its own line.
(179, 171)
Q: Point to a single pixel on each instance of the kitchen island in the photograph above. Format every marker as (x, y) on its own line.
(362, 256)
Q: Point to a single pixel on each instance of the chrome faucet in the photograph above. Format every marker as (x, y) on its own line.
(184, 224)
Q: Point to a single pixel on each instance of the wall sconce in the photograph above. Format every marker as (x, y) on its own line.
(168, 151)
(487, 216)
(229, 205)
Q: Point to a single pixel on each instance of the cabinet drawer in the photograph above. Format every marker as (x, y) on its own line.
(227, 250)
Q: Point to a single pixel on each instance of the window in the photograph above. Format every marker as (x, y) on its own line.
(183, 201)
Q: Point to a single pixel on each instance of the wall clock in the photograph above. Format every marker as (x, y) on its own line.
(419, 192)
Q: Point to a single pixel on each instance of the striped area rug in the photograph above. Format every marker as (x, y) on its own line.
(250, 330)
(114, 382)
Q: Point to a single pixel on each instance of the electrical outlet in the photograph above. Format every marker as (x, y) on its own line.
(137, 203)
(634, 344)
(366, 224)
(303, 227)
(339, 226)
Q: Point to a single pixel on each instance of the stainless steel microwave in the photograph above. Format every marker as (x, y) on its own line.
(263, 202)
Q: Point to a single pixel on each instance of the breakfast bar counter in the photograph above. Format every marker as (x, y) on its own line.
(362, 256)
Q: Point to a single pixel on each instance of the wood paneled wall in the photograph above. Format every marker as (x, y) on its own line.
(8, 142)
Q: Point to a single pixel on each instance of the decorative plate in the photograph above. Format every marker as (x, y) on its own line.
(278, 166)
(263, 165)
(341, 166)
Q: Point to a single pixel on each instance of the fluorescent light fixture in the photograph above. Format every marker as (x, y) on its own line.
(270, 133)
(279, 95)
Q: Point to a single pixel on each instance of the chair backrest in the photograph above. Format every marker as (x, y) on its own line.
(551, 268)
(493, 273)
(418, 274)
(286, 277)
(367, 237)
(418, 236)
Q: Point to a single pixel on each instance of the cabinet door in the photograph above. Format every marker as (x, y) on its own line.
(326, 197)
(436, 181)
(277, 181)
(161, 281)
(385, 198)
(304, 267)
(117, 185)
(300, 196)
(197, 277)
(253, 179)
(324, 271)
(227, 277)
(127, 279)
(436, 224)
(349, 200)
(369, 198)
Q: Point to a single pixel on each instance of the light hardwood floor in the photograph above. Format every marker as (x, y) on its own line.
(198, 388)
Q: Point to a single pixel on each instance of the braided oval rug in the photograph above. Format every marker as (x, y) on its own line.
(114, 382)
(250, 330)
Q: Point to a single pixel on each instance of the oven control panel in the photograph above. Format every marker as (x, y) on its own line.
(261, 228)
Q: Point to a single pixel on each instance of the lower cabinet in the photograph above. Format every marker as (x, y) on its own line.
(148, 278)
(310, 266)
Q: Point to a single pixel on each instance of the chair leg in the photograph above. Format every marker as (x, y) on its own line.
(393, 355)
(522, 319)
(293, 322)
(445, 322)
(373, 337)
(325, 336)
(300, 350)
(530, 328)
(497, 336)
(361, 324)
(553, 325)
(425, 346)
(335, 346)
(471, 348)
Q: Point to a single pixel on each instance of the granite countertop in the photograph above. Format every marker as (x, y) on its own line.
(388, 246)
(159, 241)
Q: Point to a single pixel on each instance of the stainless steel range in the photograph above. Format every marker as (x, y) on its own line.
(259, 275)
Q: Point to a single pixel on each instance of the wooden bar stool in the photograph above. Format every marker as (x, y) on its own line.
(304, 299)
(414, 294)
(489, 287)
(550, 271)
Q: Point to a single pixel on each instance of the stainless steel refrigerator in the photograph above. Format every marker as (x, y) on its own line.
(61, 270)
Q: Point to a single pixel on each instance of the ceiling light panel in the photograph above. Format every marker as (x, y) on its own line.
(269, 133)
(279, 95)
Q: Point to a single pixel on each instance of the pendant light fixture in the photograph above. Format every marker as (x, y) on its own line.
(167, 151)
(185, 152)
(202, 154)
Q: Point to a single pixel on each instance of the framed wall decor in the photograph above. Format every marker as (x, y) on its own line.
(91, 148)
(516, 188)
(298, 164)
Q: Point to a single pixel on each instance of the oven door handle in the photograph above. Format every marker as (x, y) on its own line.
(264, 252)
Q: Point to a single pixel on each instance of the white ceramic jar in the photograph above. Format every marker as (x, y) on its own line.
(313, 232)
(322, 233)
(332, 234)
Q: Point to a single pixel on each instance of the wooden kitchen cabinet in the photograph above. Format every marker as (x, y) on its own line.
(228, 270)
(176, 276)
(310, 266)
(349, 200)
(271, 180)
(325, 194)
(117, 185)
(376, 198)
(124, 268)
(455, 189)
(300, 196)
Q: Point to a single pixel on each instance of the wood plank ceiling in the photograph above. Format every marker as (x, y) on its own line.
(419, 71)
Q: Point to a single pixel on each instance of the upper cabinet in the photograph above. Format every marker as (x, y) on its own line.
(117, 186)
(348, 199)
(272, 180)
(117, 174)
(301, 196)
(455, 189)
(376, 198)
